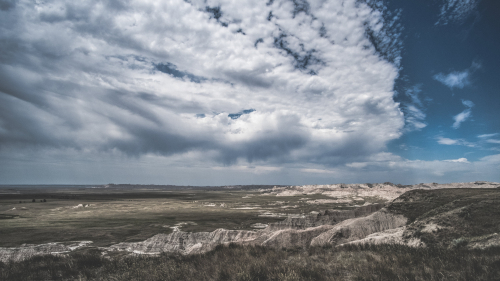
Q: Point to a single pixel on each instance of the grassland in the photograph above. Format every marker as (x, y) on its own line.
(127, 214)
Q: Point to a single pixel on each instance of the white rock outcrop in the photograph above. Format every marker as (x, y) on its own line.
(27, 251)
(359, 228)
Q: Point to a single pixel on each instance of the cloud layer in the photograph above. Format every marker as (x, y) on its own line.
(228, 81)
(456, 11)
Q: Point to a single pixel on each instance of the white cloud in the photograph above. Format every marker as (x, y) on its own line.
(414, 113)
(456, 11)
(488, 135)
(454, 79)
(461, 117)
(448, 141)
(457, 79)
(464, 115)
(488, 138)
(459, 160)
(171, 78)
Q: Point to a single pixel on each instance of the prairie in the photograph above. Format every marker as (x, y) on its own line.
(126, 214)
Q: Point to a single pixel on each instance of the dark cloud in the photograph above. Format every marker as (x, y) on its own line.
(152, 139)
(300, 6)
(322, 31)
(216, 13)
(6, 5)
(353, 148)
(250, 78)
(274, 144)
(260, 40)
(270, 16)
(22, 125)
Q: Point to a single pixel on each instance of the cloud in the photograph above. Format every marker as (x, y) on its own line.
(459, 160)
(187, 78)
(468, 103)
(487, 135)
(413, 110)
(405, 171)
(6, 5)
(414, 118)
(464, 115)
(457, 79)
(448, 141)
(488, 138)
(461, 117)
(456, 11)
(454, 79)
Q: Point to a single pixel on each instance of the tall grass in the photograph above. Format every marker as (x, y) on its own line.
(382, 262)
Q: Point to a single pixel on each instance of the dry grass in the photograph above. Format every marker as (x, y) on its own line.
(383, 262)
(134, 215)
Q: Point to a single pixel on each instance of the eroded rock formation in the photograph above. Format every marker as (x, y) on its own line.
(420, 217)
(26, 251)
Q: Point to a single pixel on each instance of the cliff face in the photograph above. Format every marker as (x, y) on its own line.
(326, 217)
(186, 242)
(359, 228)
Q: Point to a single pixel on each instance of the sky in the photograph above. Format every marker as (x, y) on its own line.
(226, 92)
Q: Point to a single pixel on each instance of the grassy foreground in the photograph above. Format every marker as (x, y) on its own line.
(382, 262)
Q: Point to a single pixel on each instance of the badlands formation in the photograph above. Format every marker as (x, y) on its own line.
(422, 215)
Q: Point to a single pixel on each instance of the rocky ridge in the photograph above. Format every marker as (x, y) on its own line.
(387, 190)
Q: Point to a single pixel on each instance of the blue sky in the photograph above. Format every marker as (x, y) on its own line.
(451, 64)
(222, 92)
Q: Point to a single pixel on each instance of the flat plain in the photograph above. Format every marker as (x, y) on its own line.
(125, 213)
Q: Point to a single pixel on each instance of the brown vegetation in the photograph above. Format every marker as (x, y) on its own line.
(353, 262)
